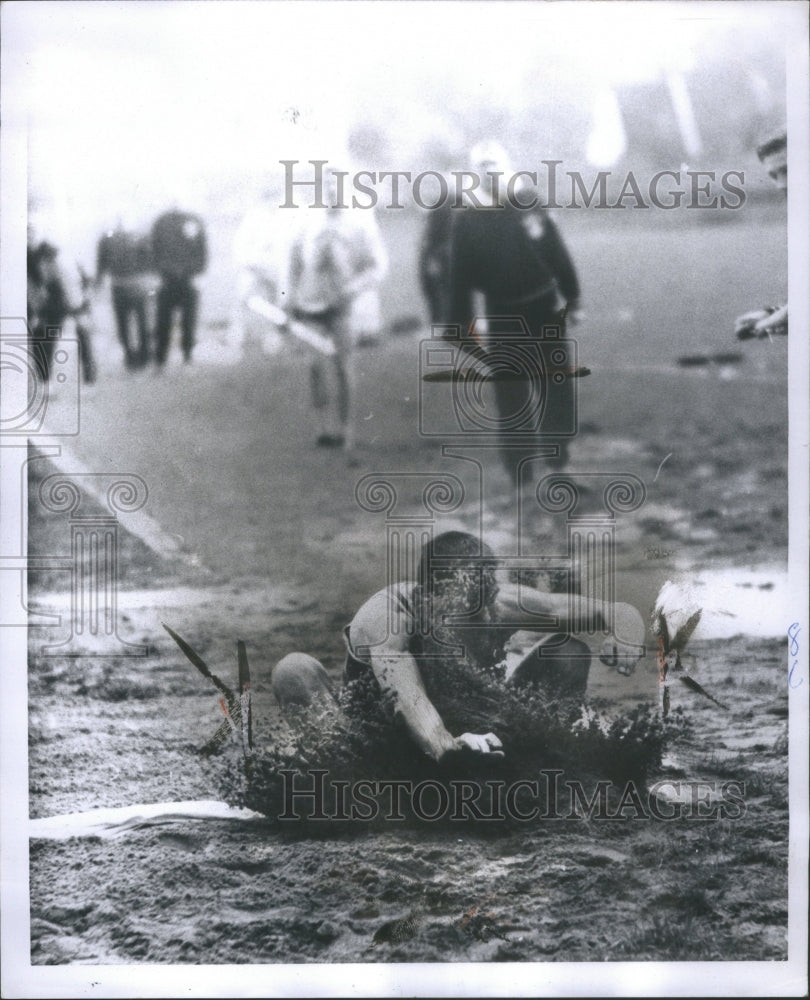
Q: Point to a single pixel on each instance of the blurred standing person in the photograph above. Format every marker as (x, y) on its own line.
(261, 251)
(55, 297)
(517, 259)
(125, 256)
(82, 287)
(336, 258)
(771, 320)
(434, 260)
(180, 253)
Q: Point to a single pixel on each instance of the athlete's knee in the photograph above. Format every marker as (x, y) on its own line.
(559, 668)
(300, 679)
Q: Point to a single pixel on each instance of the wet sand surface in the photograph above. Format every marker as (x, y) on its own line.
(273, 548)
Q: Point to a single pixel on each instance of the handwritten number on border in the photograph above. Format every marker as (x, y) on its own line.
(793, 649)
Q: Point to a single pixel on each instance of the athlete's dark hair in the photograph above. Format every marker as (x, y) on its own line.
(455, 545)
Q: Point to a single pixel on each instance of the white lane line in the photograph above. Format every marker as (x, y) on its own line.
(114, 822)
(137, 522)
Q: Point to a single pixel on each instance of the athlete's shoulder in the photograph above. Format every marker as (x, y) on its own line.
(382, 619)
(397, 595)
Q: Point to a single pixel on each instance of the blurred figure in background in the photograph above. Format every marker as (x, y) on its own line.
(125, 256)
(58, 304)
(434, 261)
(518, 260)
(336, 258)
(180, 253)
(771, 320)
(261, 251)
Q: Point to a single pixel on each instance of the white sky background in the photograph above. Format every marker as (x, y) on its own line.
(131, 102)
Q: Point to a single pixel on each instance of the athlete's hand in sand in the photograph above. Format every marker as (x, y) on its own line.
(488, 743)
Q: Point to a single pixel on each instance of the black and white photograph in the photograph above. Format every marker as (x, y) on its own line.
(404, 488)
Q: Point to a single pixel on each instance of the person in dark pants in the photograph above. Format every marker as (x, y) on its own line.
(125, 256)
(180, 252)
(53, 300)
(434, 260)
(516, 257)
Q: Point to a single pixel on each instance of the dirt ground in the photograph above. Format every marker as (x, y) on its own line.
(283, 554)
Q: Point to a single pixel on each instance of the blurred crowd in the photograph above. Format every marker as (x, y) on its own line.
(314, 278)
(61, 292)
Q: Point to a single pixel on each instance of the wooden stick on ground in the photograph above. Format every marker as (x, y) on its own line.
(244, 696)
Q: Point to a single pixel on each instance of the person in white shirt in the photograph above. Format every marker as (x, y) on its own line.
(261, 251)
(337, 263)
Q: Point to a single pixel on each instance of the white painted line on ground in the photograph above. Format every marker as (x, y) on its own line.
(137, 522)
(108, 822)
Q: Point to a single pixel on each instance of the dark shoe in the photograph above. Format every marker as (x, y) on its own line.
(329, 441)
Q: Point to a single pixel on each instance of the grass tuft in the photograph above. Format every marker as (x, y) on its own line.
(361, 739)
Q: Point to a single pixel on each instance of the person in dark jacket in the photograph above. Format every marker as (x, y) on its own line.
(517, 259)
(180, 253)
(55, 299)
(434, 260)
(125, 256)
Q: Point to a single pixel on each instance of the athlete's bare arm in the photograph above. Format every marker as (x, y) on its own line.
(617, 629)
(379, 635)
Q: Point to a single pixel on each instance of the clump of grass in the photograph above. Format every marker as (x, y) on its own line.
(673, 937)
(361, 739)
(108, 685)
